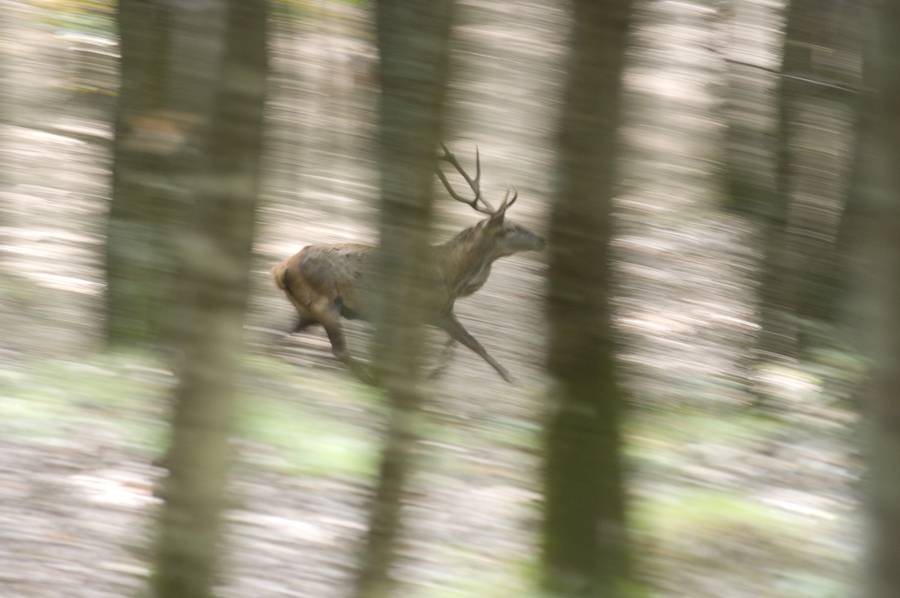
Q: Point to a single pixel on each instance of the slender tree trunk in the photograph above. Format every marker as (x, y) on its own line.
(880, 273)
(855, 19)
(746, 110)
(798, 289)
(414, 41)
(779, 284)
(137, 260)
(586, 549)
(213, 283)
(167, 69)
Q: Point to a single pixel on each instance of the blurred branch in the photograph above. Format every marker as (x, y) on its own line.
(804, 79)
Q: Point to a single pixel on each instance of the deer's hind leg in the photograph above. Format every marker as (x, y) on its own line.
(331, 320)
(307, 315)
(303, 323)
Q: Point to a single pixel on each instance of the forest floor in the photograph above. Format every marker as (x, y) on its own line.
(729, 500)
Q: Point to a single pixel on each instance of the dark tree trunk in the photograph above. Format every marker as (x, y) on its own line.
(414, 41)
(168, 65)
(586, 549)
(138, 259)
(212, 284)
(799, 231)
(778, 336)
(746, 110)
(879, 233)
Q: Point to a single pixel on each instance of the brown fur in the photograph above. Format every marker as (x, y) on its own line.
(318, 277)
(325, 282)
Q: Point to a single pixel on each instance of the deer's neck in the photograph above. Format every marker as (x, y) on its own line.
(465, 262)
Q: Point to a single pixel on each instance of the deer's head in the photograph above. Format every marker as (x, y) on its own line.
(504, 236)
(497, 235)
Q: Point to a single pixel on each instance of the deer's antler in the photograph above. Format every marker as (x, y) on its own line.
(475, 183)
(507, 204)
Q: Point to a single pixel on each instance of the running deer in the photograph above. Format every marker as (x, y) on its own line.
(326, 282)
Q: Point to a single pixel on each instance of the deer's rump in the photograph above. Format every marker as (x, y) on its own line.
(320, 278)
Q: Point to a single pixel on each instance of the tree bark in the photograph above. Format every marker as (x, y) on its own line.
(414, 41)
(586, 550)
(799, 232)
(213, 285)
(137, 261)
(746, 111)
(170, 53)
(779, 287)
(880, 276)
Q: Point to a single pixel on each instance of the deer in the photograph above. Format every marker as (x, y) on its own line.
(328, 282)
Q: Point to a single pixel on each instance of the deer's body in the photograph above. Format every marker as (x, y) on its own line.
(320, 278)
(327, 282)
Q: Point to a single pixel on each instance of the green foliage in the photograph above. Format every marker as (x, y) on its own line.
(308, 422)
(745, 541)
(315, 422)
(117, 397)
(93, 17)
(696, 512)
(482, 580)
(809, 585)
(658, 442)
(691, 517)
(306, 5)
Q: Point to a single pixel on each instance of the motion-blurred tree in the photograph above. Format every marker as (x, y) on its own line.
(780, 276)
(747, 110)
(136, 264)
(166, 76)
(414, 42)
(586, 548)
(799, 225)
(212, 285)
(4, 118)
(879, 232)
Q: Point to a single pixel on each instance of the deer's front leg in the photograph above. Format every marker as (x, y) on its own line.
(443, 360)
(456, 331)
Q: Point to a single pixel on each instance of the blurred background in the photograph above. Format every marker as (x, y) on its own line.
(737, 347)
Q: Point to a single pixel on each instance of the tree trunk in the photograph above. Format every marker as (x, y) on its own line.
(213, 283)
(168, 66)
(414, 41)
(778, 335)
(798, 290)
(880, 274)
(746, 111)
(586, 549)
(138, 260)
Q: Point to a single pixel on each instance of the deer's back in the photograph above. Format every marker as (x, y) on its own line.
(325, 273)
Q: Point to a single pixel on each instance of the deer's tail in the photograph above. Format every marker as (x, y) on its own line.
(280, 276)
